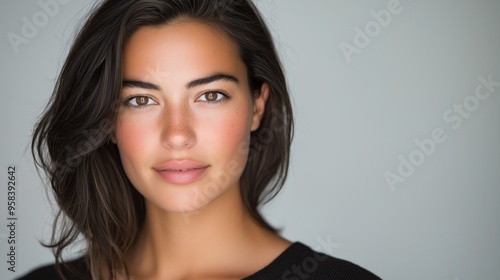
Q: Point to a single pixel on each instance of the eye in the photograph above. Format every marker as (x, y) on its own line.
(139, 101)
(212, 96)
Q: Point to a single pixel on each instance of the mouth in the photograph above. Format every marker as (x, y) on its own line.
(181, 172)
(180, 165)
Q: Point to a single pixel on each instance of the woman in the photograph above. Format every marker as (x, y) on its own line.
(169, 125)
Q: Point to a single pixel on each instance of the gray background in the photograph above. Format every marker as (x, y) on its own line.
(353, 121)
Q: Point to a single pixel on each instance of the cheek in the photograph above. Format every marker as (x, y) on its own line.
(133, 139)
(225, 134)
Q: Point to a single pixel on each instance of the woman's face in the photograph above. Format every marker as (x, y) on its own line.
(184, 126)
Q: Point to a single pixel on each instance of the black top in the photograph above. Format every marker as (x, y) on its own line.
(297, 262)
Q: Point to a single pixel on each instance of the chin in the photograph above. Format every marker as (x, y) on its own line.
(185, 198)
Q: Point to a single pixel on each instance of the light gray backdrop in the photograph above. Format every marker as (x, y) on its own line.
(395, 162)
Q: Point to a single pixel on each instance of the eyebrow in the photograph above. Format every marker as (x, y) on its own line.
(212, 78)
(139, 84)
(194, 83)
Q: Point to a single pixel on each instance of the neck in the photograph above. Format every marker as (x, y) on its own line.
(224, 220)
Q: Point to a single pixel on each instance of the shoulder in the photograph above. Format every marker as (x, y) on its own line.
(75, 269)
(301, 262)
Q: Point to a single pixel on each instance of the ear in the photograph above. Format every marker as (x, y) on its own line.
(259, 106)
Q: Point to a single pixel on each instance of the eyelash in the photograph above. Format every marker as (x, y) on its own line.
(224, 97)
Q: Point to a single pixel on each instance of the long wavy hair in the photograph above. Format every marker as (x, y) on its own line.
(71, 141)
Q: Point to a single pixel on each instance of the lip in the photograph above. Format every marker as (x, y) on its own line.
(181, 172)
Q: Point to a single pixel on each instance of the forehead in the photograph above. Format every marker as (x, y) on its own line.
(180, 50)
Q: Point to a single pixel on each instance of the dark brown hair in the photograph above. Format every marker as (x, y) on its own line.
(71, 142)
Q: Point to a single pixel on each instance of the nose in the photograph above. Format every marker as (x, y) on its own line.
(178, 132)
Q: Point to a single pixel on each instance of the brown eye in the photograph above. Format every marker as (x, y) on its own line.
(139, 101)
(212, 96)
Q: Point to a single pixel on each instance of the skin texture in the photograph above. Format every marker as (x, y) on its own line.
(198, 230)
